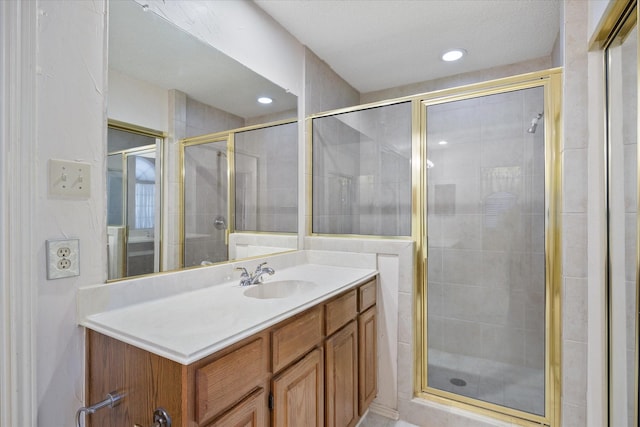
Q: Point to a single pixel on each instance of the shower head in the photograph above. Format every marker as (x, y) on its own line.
(534, 123)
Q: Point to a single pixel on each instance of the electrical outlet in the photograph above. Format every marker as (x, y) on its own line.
(63, 258)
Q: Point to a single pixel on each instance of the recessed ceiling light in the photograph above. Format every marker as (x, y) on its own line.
(453, 55)
(443, 142)
(265, 100)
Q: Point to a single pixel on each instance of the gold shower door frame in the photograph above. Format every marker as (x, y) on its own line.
(201, 140)
(550, 81)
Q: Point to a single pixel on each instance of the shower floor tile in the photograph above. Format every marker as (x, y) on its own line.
(512, 386)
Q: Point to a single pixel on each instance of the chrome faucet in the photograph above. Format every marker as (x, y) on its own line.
(247, 279)
(261, 270)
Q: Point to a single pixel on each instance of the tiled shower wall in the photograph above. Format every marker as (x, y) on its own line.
(267, 179)
(362, 172)
(486, 289)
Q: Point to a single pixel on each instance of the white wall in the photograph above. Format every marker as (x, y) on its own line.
(17, 144)
(137, 102)
(70, 124)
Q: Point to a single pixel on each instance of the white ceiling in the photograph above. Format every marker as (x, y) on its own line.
(147, 47)
(372, 44)
(379, 44)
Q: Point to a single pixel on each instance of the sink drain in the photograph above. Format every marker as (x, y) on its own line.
(458, 382)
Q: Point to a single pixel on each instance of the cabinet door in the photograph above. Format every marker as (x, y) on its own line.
(367, 351)
(251, 412)
(341, 369)
(298, 393)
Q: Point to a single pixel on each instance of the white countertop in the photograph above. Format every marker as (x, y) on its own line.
(189, 326)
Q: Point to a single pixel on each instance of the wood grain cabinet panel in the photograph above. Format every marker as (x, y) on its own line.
(367, 355)
(250, 412)
(227, 379)
(298, 393)
(148, 381)
(339, 311)
(367, 295)
(295, 337)
(341, 377)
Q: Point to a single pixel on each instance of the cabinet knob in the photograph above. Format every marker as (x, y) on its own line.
(160, 419)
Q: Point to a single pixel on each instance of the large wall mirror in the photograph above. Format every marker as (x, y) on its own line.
(167, 85)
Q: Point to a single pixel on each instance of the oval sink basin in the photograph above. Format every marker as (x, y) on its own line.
(279, 289)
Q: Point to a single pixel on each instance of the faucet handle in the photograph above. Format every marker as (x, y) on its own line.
(259, 267)
(245, 273)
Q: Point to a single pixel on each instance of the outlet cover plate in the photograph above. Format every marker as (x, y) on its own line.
(63, 258)
(69, 179)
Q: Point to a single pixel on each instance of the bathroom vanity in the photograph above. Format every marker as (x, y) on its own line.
(307, 358)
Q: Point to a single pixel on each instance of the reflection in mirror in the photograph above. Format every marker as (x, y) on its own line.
(260, 164)
(266, 179)
(133, 203)
(205, 203)
(199, 91)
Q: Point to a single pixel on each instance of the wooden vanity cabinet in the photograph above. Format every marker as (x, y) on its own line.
(317, 368)
(148, 381)
(341, 378)
(292, 338)
(250, 412)
(341, 360)
(367, 346)
(298, 393)
(228, 386)
(218, 386)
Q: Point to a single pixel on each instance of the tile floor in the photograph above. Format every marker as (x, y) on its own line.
(375, 420)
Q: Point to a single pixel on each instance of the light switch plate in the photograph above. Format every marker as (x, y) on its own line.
(69, 179)
(63, 258)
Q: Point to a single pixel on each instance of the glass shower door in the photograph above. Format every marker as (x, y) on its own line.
(622, 203)
(486, 286)
(206, 208)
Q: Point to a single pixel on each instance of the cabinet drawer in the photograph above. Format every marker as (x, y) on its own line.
(251, 412)
(340, 311)
(296, 337)
(367, 295)
(223, 382)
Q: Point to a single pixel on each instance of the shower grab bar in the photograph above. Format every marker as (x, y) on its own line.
(112, 399)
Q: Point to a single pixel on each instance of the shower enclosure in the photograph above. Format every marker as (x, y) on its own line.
(205, 196)
(488, 283)
(472, 176)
